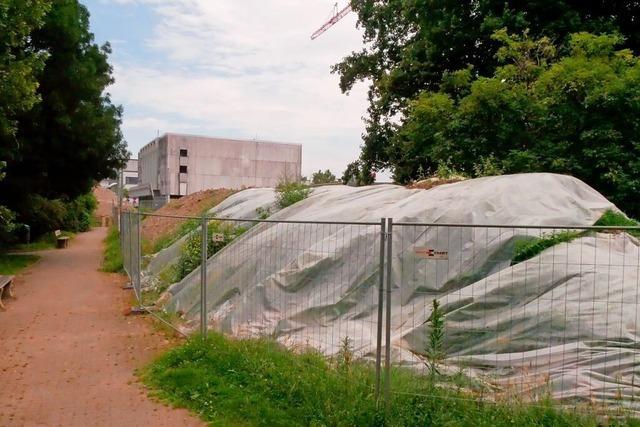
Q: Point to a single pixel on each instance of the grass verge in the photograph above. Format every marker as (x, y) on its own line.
(48, 241)
(112, 258)
(14, 263)
(258, 382)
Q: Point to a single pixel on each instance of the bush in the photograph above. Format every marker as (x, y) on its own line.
(290, 192)
(45, 215)
(7, 225)
(79, 213)
(191, 252)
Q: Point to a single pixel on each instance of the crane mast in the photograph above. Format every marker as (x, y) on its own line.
(338, 15)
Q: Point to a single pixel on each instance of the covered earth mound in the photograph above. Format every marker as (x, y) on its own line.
(563, 321)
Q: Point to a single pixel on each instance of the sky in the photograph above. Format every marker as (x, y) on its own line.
(234, 68)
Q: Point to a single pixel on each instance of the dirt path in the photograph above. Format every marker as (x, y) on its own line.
(68, 352)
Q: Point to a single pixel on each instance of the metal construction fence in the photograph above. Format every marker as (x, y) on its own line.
(501, 311)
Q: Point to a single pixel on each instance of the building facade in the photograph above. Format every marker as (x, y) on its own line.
(175, 165)
(129, 176)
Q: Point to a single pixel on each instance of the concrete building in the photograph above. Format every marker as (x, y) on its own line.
(129, 176)
(176, 165)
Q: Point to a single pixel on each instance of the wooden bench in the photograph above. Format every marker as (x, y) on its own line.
(6, 282)
(61, 241)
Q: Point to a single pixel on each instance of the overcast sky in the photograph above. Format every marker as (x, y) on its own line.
(234, 68)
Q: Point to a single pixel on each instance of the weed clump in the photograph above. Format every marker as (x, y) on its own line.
(112, 257)
(191, 252)
(291, 192)
(527, 249)
(435, 340)
(618, 219)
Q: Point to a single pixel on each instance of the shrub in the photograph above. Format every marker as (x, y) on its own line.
(191, 252)
(290, 192)
(43, 215)
(7, 224)
(79, 212)
(321, 177)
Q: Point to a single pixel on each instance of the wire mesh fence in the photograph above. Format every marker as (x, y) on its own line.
(498, 312)
(522, 313)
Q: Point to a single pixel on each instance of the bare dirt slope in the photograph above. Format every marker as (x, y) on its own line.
(154, 228)
(107, 199)
(68, 352)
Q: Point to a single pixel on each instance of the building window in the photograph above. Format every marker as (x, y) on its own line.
(184, 153)
(183, 169)
(130, 180)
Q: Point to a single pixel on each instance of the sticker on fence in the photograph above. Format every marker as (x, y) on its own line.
(218, 237)
(430, 253)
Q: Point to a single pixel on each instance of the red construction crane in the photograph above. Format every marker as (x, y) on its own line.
(337, 15)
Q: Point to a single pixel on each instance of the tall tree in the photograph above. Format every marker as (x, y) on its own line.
(19, 64)
(72, 137)
(576, 112)
(411, 46)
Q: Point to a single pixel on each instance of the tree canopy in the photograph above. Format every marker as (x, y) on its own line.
(576, 113)
(417, 45)
(321, 177)
(19, 63)
(71, 137)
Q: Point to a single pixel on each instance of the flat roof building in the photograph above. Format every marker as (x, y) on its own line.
(175, 165)
(129, 176)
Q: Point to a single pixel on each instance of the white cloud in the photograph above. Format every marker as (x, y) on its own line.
(244, 69)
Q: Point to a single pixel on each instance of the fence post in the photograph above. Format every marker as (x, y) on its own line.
(383, 234)
(387, 361)
(130, 252)
(203, 277)
(138, 261)
(121, 230)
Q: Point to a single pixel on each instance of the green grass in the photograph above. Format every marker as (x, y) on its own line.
(527, 249)
(48, 241)
(165, 241)
(258, 382)
(615, 219)
(13, 264)
(112, 258)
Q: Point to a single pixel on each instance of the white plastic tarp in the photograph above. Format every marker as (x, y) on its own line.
(314, 284)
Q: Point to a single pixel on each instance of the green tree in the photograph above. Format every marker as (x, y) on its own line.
(577, 113)
(19, 64)
(358, 173)
(321, 177)
(72, 137)
(413, 46)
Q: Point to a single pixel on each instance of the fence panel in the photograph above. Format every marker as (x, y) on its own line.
(527, 312)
